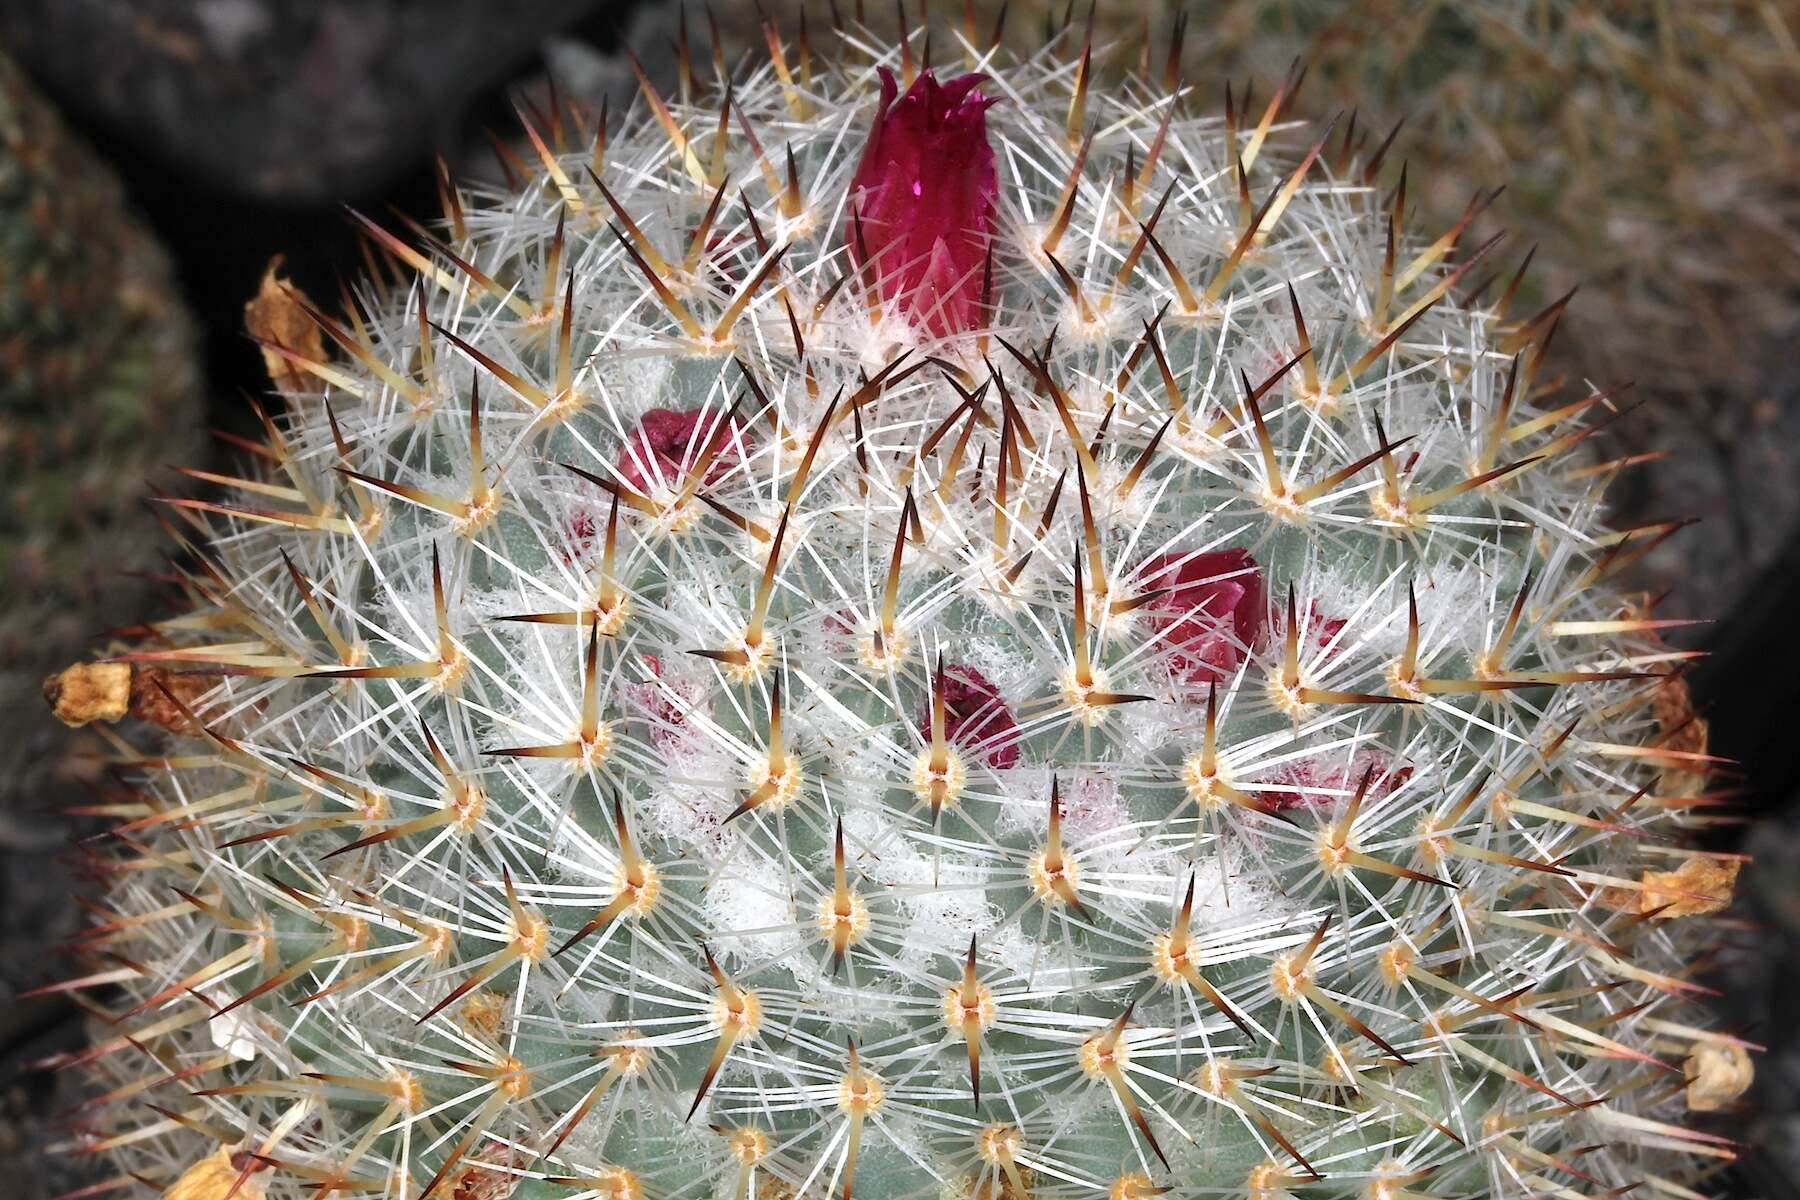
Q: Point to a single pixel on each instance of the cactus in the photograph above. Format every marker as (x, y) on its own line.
(884, 637)
(97, 386)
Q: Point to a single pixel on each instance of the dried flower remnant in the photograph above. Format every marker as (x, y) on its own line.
(1702, 884)
(276, 319)
(90, 692)
(922, 201)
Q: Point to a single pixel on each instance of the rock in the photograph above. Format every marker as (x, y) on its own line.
(302, 100)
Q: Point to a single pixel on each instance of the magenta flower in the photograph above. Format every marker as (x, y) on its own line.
(1211, 617)
(922, 201)
(664, 706)
(1319, 629)
(1314, 784)
(976, 718)
(666, 445)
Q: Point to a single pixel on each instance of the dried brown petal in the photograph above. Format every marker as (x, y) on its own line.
(155, 692)
(483, 1014)
(1684, 731)
(275, 315)
(478, 1182)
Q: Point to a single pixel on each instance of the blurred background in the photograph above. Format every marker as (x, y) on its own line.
(155, 156)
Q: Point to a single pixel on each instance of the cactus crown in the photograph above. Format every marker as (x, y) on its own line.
(704, 705)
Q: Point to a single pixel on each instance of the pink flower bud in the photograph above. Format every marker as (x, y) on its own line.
(583, 530)
(922, 202)
(1319, 629)
(1211, 617)
(666, 445)
(663, 703)
(1318, 784)
(976, 719)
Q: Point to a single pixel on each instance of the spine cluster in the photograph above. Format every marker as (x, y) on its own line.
(719, 688)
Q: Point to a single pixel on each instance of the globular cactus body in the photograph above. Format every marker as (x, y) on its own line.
(742, 685)
(98, 386)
